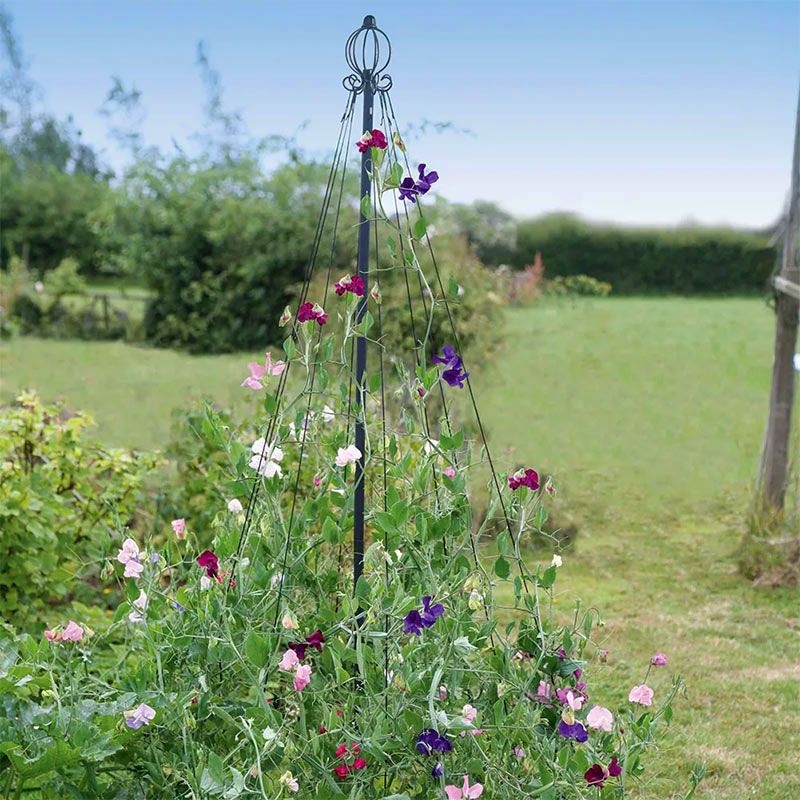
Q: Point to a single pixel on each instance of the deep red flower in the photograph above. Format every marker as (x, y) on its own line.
(323, 729)
(305, 312)
(375, 138)
(341, 771)
(359, 763)
(341, 750)
(208, 560)
(315, 640)
(595, 776)
(614, 769)
(528, 477)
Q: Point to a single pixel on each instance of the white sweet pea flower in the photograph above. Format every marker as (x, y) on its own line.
(347, 455)
(265, 458)
(557, 561)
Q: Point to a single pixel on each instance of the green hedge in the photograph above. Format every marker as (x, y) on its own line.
(683, 260)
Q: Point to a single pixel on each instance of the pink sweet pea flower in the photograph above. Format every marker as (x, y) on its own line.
(289, 661)
(544, 691)
(52, 636)
(449, 472)
(254, 379)
(133, 569)
(519, 752)
(642, 694)
(659, 660)
(302, 676)
(347, 455)
(469, 712)
(73, 632)
(235, 506)
(600, 718)
(128, 552)
(139, 603)
(466, 792)
(179, 526)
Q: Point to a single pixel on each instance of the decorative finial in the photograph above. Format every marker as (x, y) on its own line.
(368, 52)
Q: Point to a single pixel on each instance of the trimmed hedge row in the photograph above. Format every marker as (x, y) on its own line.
(682, 260)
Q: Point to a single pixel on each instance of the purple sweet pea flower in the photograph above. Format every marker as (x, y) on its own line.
(424, 182)
(429, 612)
(408, 191)
(414, 623)
(177, 606)
(437, 771)
(575, 731)
(430, 740)
(139, 716)
(454, 375)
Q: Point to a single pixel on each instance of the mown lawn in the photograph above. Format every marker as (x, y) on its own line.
(649, 413)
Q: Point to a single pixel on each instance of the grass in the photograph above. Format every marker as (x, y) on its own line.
(649, 413)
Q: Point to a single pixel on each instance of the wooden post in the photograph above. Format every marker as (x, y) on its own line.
(779, 425)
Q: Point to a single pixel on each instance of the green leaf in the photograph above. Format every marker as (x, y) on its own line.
(397, 174)
(548, 577)
(452, 442)
(332, 533)
(453, 287)
(502, 568)
(288, 347)
(256, 648)
(366, 207)
(270, 403)
(419, 228)
(541, 517)
(60, 754)
(374, 382)
(363, 589)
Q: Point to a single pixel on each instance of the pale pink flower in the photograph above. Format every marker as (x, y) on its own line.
(302, 676)
(235, 506)
(575, 703)
(139, 603)
(128, 552)
(659, 660)
(544, 691)
(443, 688)
(290, 782)
(73, 632)
(205, 582)
(600, 718)
(347, 455)
(179, 526)
(469, 712)
(643, 695)
(466, 792)
(133, 569)
(53, 636)
(289, 661)
(449, 472)
(288, 622)
(519, 752)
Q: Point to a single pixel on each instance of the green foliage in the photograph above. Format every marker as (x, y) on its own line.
(46, 216)
(683, 260)
(577, 286)
(60, 494)
(220, 244)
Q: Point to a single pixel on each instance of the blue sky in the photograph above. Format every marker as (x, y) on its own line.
(641, 112)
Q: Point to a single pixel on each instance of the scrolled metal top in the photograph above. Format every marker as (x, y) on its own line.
(368, 52)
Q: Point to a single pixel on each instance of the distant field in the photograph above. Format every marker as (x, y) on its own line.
(649, 413)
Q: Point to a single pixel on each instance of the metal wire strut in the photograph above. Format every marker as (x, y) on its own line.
(367, 53)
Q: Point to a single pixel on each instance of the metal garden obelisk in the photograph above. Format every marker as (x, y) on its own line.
(367, 53)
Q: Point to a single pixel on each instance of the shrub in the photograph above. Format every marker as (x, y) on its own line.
(60, 496)
(577, 286)
(46, 216)
(220, 244)
(682, 260)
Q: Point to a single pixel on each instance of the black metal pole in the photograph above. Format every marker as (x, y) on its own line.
(361, 342)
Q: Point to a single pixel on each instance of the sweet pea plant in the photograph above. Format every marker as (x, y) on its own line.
(254, 667)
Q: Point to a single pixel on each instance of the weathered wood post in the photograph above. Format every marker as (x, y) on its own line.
(779, 424)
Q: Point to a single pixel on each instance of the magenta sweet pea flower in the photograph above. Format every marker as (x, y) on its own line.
(354, 285)
(374, 138)
(524, 477)
(659, 660)
(308, 312)
(208, 560)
